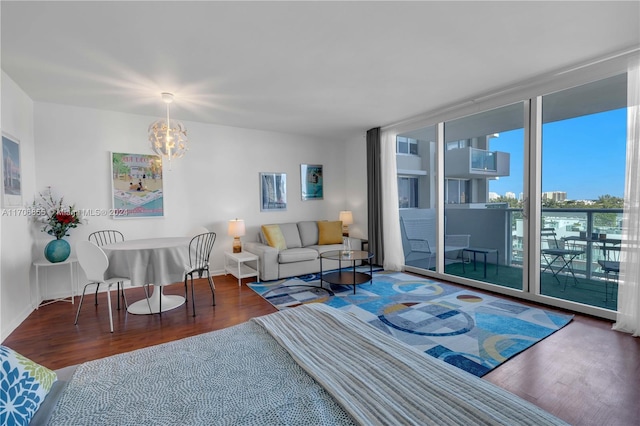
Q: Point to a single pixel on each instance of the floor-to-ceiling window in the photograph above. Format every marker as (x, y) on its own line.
(583, 169)
(415, 161)
(536, 186)
(483, 170)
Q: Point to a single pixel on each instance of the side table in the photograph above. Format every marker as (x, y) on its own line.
(234, 264)
(484, 251)
(44, 263)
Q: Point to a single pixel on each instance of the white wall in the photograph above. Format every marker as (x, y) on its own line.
(356, 184)
(215, 181)
(16, 233)
(69, 149)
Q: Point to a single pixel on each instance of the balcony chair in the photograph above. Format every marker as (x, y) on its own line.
(610, 264)
(94, 262)
(416, 250)
(199, 251)
(415, 243)
(557, 254)
(104, 237)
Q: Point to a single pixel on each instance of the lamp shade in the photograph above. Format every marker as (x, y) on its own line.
(346, 217)
(236, 228)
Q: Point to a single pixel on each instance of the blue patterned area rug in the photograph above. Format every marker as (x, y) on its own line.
(470, 330)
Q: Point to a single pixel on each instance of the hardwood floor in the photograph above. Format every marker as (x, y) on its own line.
(585, 373)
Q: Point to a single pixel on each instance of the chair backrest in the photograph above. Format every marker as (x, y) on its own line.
(410, 245)
(107, 236)
(93, 261)
(611, 252)
(200, 249)
(548, 237)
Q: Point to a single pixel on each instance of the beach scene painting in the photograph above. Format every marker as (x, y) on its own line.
(137, 185)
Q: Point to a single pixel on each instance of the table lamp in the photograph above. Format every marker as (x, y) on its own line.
(347, 219)
(236, 230)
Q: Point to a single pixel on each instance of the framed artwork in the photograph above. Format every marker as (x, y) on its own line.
(11, 172)
(273, 191)
(136, 185)
(311, 181)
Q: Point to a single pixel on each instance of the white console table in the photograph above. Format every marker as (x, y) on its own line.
(234, 264)
(72, 262)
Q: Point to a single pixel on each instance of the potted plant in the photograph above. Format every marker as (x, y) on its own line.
(58, 219)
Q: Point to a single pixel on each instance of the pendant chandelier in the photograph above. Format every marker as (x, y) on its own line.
(168, 137)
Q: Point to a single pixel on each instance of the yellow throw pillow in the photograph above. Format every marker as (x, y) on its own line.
(274, 236)
(330, 232)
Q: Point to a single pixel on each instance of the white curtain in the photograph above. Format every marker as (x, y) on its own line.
(628, 317)
(393, 253)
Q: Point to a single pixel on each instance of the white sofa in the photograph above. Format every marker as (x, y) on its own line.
(301, 255)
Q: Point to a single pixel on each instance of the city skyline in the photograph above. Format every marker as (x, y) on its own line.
(573, 158)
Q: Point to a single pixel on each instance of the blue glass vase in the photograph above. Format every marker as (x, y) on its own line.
(57, 251)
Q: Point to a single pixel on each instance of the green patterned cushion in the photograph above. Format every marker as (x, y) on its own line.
(23, 386)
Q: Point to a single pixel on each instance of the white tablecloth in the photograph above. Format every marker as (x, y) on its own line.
(159, 261)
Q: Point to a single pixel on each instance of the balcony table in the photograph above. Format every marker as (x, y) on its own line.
(484, 251)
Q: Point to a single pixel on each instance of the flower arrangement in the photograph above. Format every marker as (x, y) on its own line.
(57, 216)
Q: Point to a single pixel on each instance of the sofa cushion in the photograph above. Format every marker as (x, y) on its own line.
(274, 236)
(329, 232)
(308, 233)
(297, 255)
(327, 247)
(291, 235)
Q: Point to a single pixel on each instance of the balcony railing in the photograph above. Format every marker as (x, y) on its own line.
(474, 163)
(579, 228)
(483, 160)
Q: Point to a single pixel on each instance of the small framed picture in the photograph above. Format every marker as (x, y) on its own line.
(273, 191)
(11, 172)
(311, 181)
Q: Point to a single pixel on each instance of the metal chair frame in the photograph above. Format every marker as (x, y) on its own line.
(557, 253)
(199, 252)
(610, 265)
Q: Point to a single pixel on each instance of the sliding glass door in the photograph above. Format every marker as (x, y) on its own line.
(583, 172)
(483, 172)
(471, 180)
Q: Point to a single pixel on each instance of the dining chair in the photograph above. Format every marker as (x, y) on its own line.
(104, 237)
(199, 251)
(94, 262)
(610, 264)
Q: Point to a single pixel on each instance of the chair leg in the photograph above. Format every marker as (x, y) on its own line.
(185, 290)
(193, 297)
(109, 304)
(81, 299)
(212, 286)
(96, 297)
(118, 295)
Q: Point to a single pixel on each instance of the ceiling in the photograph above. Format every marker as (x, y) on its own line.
(328, 69)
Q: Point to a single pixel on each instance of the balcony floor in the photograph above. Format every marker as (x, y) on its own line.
(587, 291)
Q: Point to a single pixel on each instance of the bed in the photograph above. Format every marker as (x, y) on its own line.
(311, 365)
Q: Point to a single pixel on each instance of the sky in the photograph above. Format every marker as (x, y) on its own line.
(583, 156)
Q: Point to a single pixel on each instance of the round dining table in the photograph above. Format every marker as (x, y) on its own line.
(154, 261)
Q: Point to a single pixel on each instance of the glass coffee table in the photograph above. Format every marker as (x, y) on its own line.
(346, 277)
